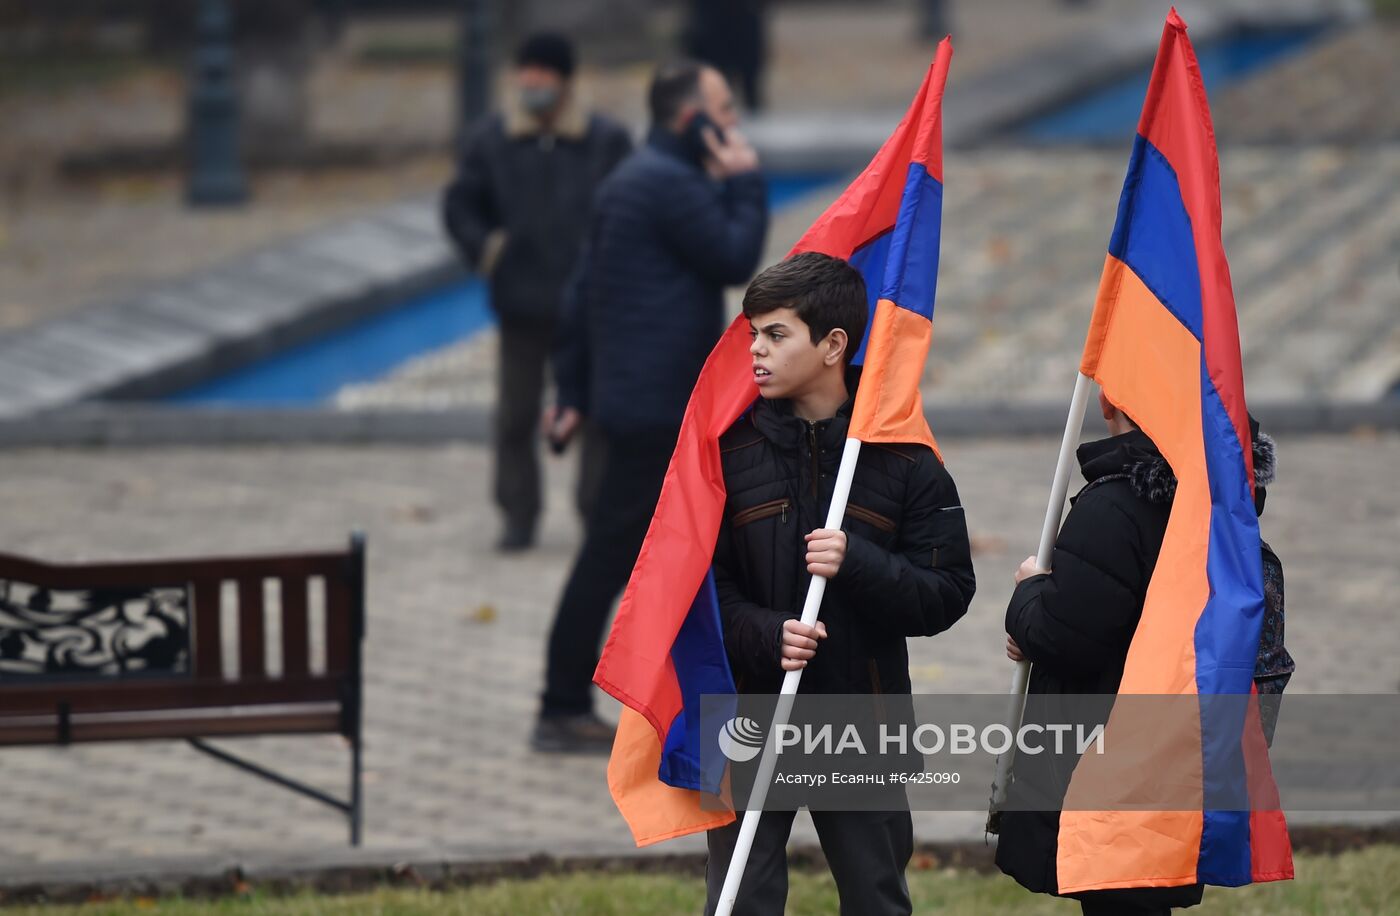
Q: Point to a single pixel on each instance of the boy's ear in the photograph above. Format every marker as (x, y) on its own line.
(836, 343)
(1106, 406)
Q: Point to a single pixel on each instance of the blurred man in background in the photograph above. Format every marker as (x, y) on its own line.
(518, 210)
(731, 36)
(682, 218)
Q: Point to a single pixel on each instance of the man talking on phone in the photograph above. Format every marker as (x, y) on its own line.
(679, 220)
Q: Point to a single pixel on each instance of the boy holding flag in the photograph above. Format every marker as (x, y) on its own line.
(753, 517)
(901, 566)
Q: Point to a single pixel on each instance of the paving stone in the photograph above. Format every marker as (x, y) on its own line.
(301, 274)
(1325, 88)
(380, 250)
(451, 699)
(241, 299)
(421, 216)
(1309, 233)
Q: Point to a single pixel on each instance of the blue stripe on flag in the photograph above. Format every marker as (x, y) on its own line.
(912, 277)
(870, 259)
(1227, 641)
(1153, 235)
(702, 668)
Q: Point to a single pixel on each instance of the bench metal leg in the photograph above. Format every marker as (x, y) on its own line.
(352, 808)
(353, 708)
(357, 802)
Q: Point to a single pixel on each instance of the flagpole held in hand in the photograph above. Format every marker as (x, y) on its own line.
(1020, 678)
(835, 515)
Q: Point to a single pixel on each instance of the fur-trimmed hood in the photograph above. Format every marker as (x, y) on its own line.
(1135, 457)
(1152, 478)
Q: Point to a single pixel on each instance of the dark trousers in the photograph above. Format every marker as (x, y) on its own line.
(867, 852)
(1109, 906)
(634, 465)
(525, 350)
(1139, 901)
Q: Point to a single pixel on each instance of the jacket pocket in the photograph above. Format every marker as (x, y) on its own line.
(950, 546)
(761, 511)
(870, 517)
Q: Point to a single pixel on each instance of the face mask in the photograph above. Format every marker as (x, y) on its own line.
(538, 100)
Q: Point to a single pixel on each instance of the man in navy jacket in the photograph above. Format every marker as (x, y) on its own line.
(679, 220)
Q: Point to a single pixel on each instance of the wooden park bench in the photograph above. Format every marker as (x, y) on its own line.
(180, 649)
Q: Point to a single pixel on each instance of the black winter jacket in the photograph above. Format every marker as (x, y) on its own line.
(519, 206)
(1076, 623)
(908, 566)
(646, 305)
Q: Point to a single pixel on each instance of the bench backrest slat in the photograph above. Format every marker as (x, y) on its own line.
(296, 644)
(338, 625)
(252, 629)
(208, 630)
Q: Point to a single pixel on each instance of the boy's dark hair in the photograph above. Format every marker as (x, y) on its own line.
(549, 50)
(675, 83)
(825, 292)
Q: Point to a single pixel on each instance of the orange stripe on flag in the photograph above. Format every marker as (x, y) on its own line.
(653, 810)
(889, 407)
(1149, 363)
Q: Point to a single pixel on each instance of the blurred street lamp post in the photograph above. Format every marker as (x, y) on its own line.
(473, 64)
(215, 172)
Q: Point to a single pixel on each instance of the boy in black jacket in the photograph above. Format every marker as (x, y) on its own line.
(901, 565)
(1076, 622)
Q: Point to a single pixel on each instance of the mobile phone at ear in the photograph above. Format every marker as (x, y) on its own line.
(695, 134)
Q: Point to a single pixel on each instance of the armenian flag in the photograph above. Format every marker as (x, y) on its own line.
(1164, 345)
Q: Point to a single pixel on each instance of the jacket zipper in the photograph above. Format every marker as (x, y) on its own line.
(816, 463)
(761, 511)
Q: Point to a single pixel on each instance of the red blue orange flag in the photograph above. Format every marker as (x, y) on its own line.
(1164, 345)
(666, 648)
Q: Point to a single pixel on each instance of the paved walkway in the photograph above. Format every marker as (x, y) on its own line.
(1321, 96)
(455, 635)
(1310, 232)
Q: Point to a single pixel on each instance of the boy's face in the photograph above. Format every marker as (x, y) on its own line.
(786, 363)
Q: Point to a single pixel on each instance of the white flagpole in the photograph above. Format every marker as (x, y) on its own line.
(810, 608)
(1059, 487)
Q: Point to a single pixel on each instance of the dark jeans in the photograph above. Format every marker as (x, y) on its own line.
(525, 350)
(634, 465)
(867, 852)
